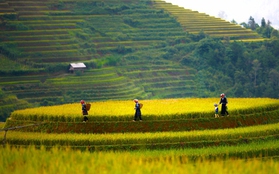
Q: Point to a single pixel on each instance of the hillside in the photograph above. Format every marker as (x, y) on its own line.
(124, 44)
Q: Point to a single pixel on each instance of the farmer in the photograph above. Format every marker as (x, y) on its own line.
(84, 111)
(224, 103)
(138, 112)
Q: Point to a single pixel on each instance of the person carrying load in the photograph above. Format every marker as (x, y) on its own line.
(85, 108)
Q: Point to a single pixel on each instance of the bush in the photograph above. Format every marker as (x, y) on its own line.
(58, 6)
(56, 67)
(113, 60)
(18, 26)
(81, 36)
(10, 50)
(131, 22)
(10, 16)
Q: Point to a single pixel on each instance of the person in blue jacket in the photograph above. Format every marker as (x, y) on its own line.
(224, 103)
(138, 112)
(216, 109)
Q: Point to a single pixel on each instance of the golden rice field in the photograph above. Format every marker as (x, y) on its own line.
(158, 108)
(2, 124)
(75, 139)
(33, 161)
(261, 140)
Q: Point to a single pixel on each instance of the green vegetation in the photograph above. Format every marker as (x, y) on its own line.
(9, 103)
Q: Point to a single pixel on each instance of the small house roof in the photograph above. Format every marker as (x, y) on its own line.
(77, 65)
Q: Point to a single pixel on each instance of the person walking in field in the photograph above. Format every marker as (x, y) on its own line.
(224, 103)
(84, 111)
(138, 112)
(216, 110)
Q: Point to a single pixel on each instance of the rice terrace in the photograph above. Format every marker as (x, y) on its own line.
(174, 61)
(165, 136)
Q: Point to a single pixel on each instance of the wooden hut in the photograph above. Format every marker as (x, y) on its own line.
(76, 67)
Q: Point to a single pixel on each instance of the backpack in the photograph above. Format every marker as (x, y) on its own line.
(141, 105)
(88, 106)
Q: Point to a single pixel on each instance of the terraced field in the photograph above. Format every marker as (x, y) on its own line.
(195, 22)
(93, 85)
(251, 121)
(43, 36)
(169, 134)
(50, 35)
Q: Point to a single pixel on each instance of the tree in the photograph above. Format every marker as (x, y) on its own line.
(211, 52)
(273, 46)
(256, 66)
(240, 77)
(268, 23)
(263, 23)
(268, 29)
(274, 77)
(233, 22)
(243, 24)
(238, 90)
(237, 50)
(275, 34)
(252, 23)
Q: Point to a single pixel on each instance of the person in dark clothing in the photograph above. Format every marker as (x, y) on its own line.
(84, 111)
(227, 111)
(224, 103)
(138, 112)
